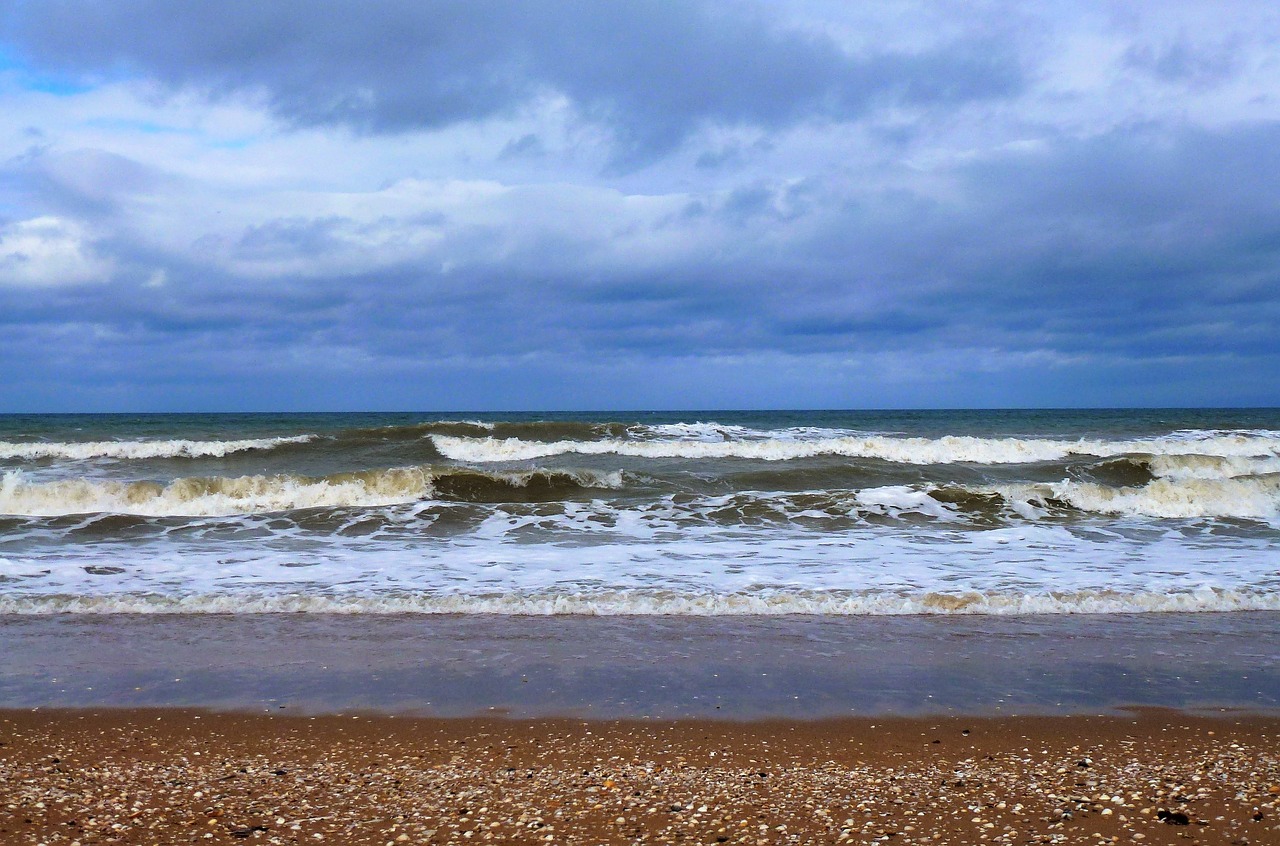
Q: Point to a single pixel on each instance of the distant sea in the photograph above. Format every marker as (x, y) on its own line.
(714, 513)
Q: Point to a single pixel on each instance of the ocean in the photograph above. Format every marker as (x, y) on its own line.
(833, 513)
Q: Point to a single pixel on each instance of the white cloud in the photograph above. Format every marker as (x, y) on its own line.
(47, 252)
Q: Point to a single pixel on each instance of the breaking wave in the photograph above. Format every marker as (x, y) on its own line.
(1256, 497)
(1194, 454)
(867, 515)
(1211, 466)
(141, 449)
(219, 496)
(536, 430)
(951, 449)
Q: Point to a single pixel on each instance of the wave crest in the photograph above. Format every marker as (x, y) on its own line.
(950, 449)
(85, 450)
(220, 495)
(1251, 497)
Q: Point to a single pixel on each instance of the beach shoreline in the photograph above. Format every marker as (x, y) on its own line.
(167, 775)
(771, 627)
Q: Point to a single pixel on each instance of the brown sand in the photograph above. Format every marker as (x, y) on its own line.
(169, 776)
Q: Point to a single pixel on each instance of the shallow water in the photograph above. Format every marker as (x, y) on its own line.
(728, 667)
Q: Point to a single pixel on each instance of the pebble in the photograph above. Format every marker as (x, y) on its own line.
(375, 782)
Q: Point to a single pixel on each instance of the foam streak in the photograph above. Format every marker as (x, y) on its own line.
(652, 603)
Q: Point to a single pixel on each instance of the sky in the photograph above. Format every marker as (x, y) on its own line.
(573, 204)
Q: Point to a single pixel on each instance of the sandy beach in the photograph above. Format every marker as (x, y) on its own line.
(376, 730)
(176, 776)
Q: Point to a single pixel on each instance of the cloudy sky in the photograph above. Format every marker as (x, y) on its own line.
(469, 204)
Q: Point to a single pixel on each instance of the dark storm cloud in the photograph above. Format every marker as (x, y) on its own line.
(1153, 242)
(651, 72)
(1011, 238)
(1141, 224)
(1181, 62)
(1149, 243)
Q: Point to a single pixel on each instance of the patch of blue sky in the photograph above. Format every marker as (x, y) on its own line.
(30, 79)
(231, 143)
(9, 62)
(146, 127)
(155, 128)
(23, 76)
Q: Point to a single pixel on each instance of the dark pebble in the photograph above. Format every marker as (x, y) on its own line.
(1173, 817)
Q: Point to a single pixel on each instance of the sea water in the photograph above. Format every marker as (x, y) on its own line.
(713, 513)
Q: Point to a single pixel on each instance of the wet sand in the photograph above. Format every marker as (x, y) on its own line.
(154, 776)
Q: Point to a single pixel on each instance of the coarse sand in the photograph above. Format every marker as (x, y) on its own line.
(174, 776)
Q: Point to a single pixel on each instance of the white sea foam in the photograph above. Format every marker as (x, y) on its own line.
(1256, 497)
(652, 603)
(1180, 496)
(77, 450)
(1211, 466)
(202, 497)
(799, 507)
(792, 445)
(706, 432)
(679, 537)
(899, 499)
(627, 566)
